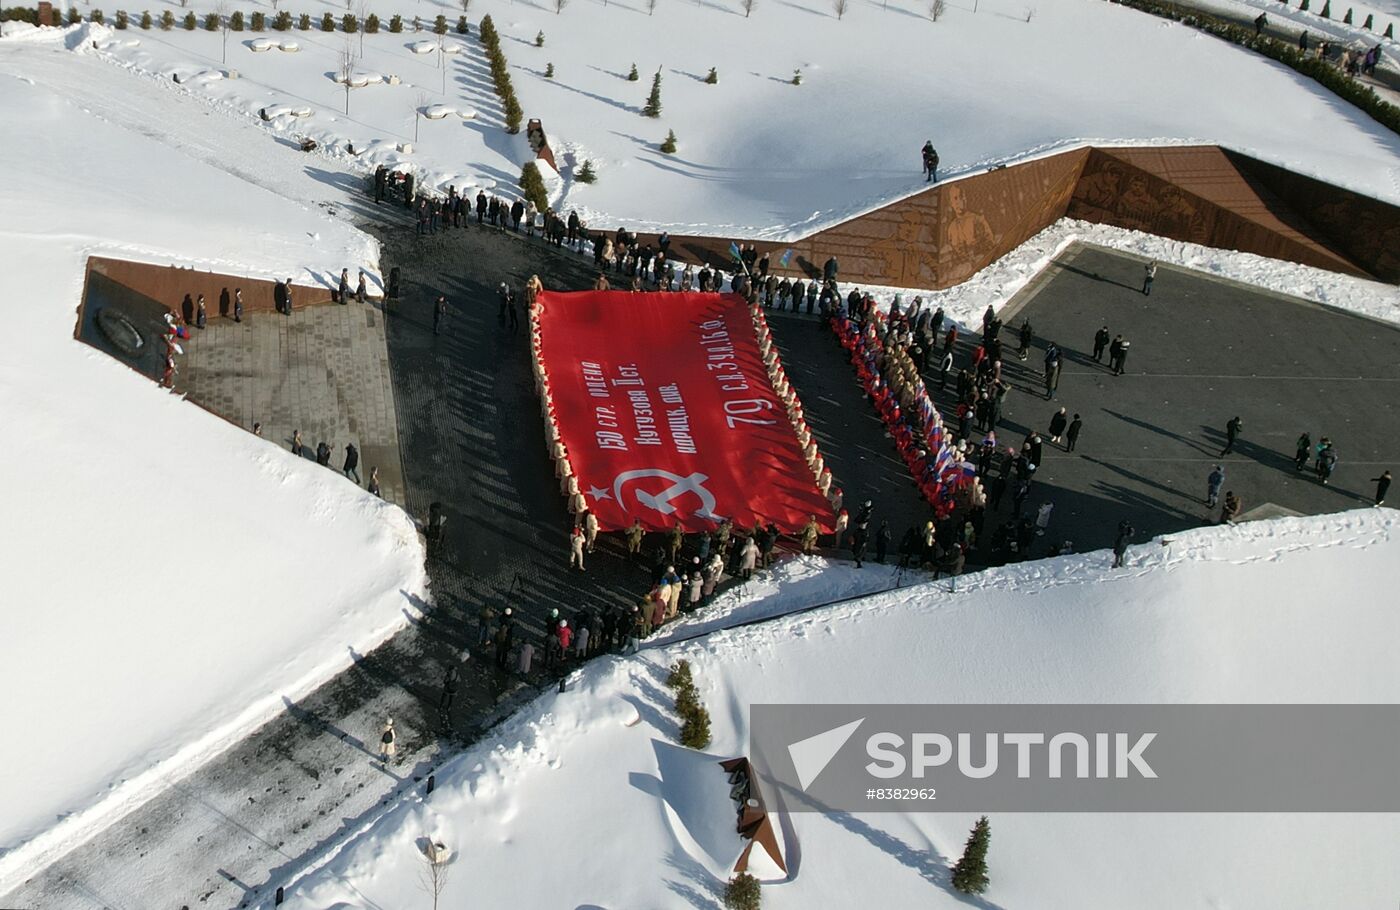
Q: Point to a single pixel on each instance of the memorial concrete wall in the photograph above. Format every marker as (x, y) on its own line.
(1207, 195)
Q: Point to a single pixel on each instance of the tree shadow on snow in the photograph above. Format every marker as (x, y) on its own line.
(612, 102)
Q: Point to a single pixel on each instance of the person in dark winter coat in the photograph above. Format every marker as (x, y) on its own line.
(352, 463)
(450, 684)
(1232, 433)
(1072, 434)
(1100, 342)
(1304, 452)
(1382, 487)
(1058, 422)
(201, 316)
(1118, 355)
(360, 290)
(882, 542)
(323, 454)
(342, 294)
(858, 537)
(435, 528)
(439, 313)
(505, 637)
(930, 157)
(1120, 543)
(1027, 335)
(480, 205)
(1037, 448)
(1052, 370)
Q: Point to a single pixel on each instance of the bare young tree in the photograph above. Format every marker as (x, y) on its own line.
(420, 110)
(222, 12)
(433, 877)
(559, 6)
(749, 6)
(1030, 13)
(346, 70)
(936, 9)
(466, 5)
(651, 7)
(362, 13)
(839, 7)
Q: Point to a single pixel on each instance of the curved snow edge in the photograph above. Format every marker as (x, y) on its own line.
(81, 825)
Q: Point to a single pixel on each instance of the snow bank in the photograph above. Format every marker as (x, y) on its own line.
(764, 159)
(585, 784)
(168, 578)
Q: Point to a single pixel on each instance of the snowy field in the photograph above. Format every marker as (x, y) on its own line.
(759, 157)
(168, 579)
(589, 785)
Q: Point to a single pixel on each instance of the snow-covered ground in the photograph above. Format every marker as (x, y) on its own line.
(583, 799)
(167, 579)
(759, 157)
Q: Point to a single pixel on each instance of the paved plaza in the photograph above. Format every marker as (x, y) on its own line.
(1203, 351)
(323, 370)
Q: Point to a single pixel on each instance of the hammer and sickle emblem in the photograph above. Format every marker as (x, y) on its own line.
(661, 502)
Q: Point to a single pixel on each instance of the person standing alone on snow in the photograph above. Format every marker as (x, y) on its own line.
(1149, 272)
(930, 161)
(1120, 543)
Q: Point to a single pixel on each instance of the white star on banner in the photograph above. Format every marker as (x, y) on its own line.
(599, 494)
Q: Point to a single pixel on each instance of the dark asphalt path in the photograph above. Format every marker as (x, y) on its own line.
(1203, 351)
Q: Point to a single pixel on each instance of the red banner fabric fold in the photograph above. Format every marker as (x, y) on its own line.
(668, 415)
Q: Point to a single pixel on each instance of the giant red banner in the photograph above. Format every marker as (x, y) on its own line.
(668, 414)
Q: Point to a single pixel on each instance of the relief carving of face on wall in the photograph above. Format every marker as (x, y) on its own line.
(907, 249)
(1137, 206)
(1179, 218)
(968, 238)
(1100, 189)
